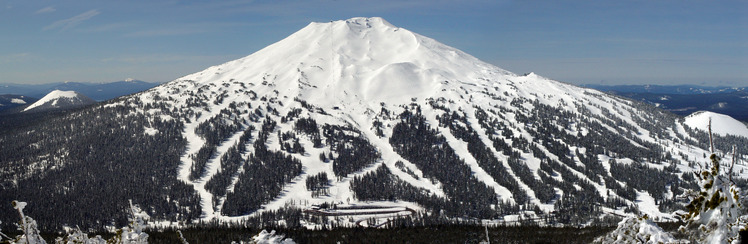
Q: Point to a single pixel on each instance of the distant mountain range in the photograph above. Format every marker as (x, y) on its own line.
(673, 89)
(686, 99)
(96, 91)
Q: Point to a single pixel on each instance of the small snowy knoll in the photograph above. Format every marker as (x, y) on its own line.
(721, 124)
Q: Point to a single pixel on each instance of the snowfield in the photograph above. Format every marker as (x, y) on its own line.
(721, 124)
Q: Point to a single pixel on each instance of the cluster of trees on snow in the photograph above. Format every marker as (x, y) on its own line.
(214, 131)
(417, 142)
(461, 129)
(317, 184)
(382, 185)
(543, 191)
(263, 178)
(354, 152)
(68, 166)
(231, 162)
(652, 180)
(580, 197)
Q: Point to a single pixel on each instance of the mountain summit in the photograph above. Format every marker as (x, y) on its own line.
(59, 100)
(359, 59)
(353, 122)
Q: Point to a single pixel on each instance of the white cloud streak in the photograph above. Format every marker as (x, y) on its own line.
(49, 9)
(73, 21)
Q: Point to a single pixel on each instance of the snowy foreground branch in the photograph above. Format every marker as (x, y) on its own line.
(131, 234)
(714, 215)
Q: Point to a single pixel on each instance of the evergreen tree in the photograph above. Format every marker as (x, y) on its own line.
(714, 214)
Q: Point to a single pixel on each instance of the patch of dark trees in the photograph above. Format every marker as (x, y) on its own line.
(658, 183)
(417, 142)
(214, 131)
(543, 191)
(382, 185)
(265, 174)
(317, 184)
(354, 152)
(231, 162)
(80, 169)
(461, 129)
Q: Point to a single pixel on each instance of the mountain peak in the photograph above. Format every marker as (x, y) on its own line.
(367, 22)
(358, 59)
(58, 99)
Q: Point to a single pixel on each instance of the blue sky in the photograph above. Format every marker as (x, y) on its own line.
(580, 42)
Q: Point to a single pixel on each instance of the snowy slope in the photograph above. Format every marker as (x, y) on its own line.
(721, 124)
(524, 146)
(59, 99)
(354, 68)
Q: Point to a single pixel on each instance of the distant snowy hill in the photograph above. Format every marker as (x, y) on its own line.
(9, 101)
(59, 100)
(354, 122)
(721, 124)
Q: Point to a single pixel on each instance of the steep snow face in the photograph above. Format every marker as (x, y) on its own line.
(59, 99)
(359, 59)
(721, 124)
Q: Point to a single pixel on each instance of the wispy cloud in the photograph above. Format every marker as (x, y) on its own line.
(49, 9)
(105, 27)
(165, 32)
(73, 21)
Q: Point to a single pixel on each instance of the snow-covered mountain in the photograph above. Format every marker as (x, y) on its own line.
(59, 100)
(721, 124)
(367, 116)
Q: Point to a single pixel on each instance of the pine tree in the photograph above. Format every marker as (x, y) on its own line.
(714, 214)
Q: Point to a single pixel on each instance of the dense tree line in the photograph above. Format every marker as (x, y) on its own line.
(460, 128)
(574, 189)
(317, 184)
(309, 127)
(543, 191)
(265, 174)
(656, 182)
(382, 185)
(354, 152)
(214, 130)
(231, 161)
(97, 159)
(415, 141)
